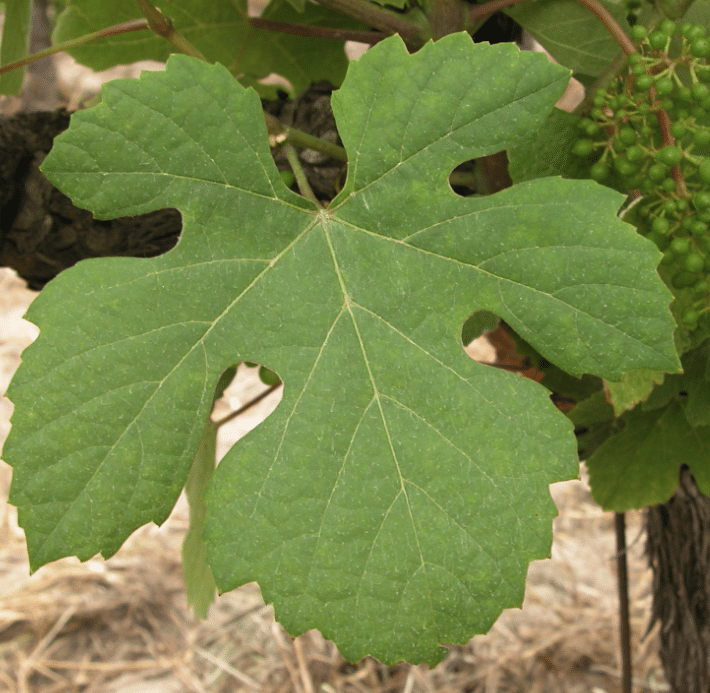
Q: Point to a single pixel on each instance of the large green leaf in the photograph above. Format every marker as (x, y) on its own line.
(639, 466)
(571, 33)
(397, 494)
(14, 40)
(220, 30)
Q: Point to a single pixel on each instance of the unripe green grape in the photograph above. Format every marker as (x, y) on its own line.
(638, 33)
(665, 86)
(657, 40)
(684, 93)
(592, 129)
(668, 27)
(656, 172)
(678, 130)
(681, 205)
(686, 223)
(704, 171)
(683, 279)
(680, 246)
(697, 112)
(644, 83)
(646, 131)
(627, 135)
(601, 96)
(700, 91)
(684, 28)
(669, 206)
(703, 215)
(693, 262)
(695, 31)
(618, 146)
(599, 172)
(698, 229)
(668, 105)
(638, 70)
(701, 138)
(690, 317)
(660, 225)
(700, 48)
(701, 199)
(682, 114)
(583, 148)
(635, 154)
(702, 72)
(700, 288)
(644, 109)
(669, 156)
(624, 167)
(583, 122)
(597, 114)
(635, 58)
(668, 185)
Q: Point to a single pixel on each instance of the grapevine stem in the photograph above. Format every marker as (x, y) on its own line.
(412, 26)
(613, 27)
(124, 28)
(284, 134)
(623, 587)
(300, 175)
(476, 12)
(248, 405)
(370, 37)
(162, 26)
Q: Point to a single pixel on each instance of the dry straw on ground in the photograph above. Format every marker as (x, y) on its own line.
(123, 626)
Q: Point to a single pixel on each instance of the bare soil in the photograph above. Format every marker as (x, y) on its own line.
(123, 625)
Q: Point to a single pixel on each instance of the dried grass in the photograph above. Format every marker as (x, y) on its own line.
(123, 626)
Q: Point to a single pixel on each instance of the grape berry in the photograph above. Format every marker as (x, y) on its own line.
(646, 134)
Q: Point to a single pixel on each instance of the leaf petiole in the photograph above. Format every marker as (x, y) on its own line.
(124, 28)
(162, 26)
(303, 184)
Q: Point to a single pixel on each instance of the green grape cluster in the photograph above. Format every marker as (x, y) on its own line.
(647, 134)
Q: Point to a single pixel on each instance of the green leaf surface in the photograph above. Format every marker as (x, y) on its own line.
(692, 388)
(570, 32)
(14, 41)
(548, 151)
(639, 466)
(220, 30)
(398, 492)
(634, 387)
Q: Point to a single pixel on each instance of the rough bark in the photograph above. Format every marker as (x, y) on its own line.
(42, 232)
(678, 548)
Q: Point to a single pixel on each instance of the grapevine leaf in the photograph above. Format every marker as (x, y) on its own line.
(570, 33)
(397, 493)
(634, 387)
(220, 30)
(14, 40)
(639, 466)
(690, 387)
(548, 151)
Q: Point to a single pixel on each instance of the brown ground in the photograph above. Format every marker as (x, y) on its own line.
(123, 626)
